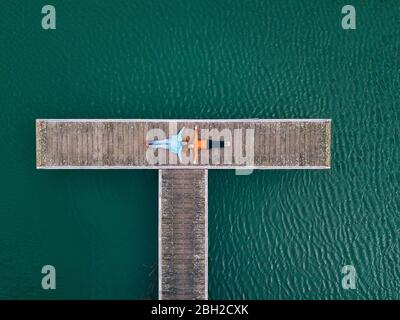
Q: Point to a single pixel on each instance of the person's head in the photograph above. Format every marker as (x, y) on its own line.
(187, 139)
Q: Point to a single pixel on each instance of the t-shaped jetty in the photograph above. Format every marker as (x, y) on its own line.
(183, 181)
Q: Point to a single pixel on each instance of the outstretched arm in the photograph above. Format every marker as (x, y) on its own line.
(158, 142)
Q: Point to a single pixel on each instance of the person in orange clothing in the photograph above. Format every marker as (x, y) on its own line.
(203, 144)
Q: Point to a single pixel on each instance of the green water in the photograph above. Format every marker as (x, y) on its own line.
(273, 234)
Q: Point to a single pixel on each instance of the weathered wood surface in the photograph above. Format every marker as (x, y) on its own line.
(183, 235)
(89, 144)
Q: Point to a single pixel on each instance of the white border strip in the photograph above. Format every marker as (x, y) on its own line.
(159, 235)
(215, 167)
(184, 120)
(206, 234)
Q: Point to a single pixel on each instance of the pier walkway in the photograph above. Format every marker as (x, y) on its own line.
(183, 236)
(265, 144)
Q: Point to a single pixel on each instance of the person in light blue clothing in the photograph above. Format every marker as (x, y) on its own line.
(174, 144)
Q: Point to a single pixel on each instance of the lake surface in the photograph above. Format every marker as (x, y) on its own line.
(272, 235)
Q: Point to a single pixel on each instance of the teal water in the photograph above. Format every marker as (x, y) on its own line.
(273, 234)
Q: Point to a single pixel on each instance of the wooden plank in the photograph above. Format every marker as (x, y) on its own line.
(328, 137)
(134, 144)
(110, 145)
(308, 139)
(282, 143)
(97, 141)
(297, 145)
(78, 134)
(288, 151)
(289, 144)
(75, 146)
(122, 147)
(259, 143)
(58, 145)
(117, 144)
(141, 136)
(103, 143)
(320, 148)
(67, 151)
(146, 128)
(222, 126)
(130, 143)
(265, 159)
(125, 143)
(89, 139)
(84, 144)
(49, 144)
(275, 142)
(308, 145)
(314, 144)
(113, 144)
(301, 144)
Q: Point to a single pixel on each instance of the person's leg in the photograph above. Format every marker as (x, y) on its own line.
(215, 144)
(158, 142)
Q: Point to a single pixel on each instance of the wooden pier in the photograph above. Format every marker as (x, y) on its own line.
(183, 225)
(183, 236)
(120, 144)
